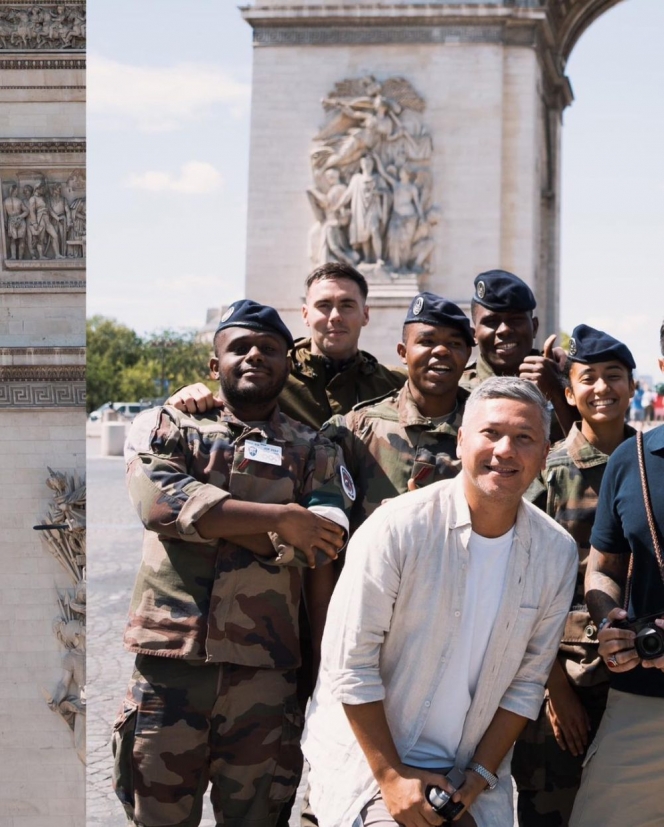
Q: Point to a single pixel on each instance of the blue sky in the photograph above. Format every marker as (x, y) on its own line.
(168, 127)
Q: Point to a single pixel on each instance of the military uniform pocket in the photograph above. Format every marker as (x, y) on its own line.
(122, 743)
(289, 762)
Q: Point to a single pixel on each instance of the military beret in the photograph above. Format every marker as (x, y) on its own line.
(588, 346)
(502, 291)
(255, 316)
(428, 308)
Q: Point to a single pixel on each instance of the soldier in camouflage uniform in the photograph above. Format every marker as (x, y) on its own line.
(408, 438)
(235, 501)
(329, 374)
(505, 329)
(549, 755)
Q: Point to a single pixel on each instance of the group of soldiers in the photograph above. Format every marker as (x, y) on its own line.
(247, 492)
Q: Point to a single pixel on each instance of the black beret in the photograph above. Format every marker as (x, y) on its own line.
(428, 308)
(588, 346)
(502, 291)
(255, 316)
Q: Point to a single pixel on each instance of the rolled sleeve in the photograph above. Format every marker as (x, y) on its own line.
(167, 498)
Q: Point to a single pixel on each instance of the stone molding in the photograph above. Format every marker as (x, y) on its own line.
(58, 352)
(362, 35)
(42, 373)
(46, 286)
(15, 146)
(27, 395)
(47, 63)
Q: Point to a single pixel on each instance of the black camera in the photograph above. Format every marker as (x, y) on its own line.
(649, 640)
(441, 800)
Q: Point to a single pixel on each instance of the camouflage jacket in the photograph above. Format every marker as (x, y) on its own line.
(574, 471)
(311, 398)
(478, 371)
(214, 600)
(389, 442)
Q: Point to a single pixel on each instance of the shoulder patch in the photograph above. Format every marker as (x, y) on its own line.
(347, 483)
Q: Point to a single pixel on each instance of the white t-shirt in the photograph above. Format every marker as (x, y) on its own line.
(439, 740)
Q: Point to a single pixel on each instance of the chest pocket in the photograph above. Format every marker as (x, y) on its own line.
(252, 480)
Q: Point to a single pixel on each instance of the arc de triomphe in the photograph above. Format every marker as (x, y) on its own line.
(420, 141)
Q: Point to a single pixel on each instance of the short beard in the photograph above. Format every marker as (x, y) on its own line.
(239, 398)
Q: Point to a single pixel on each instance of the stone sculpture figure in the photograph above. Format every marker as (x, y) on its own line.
(42, 27)
(375, 139)
(365, 194)
(40, 224)
(61, 214)
(329, 238)
(406, 210)
(67, 697)
(16, 213)
(77, 233)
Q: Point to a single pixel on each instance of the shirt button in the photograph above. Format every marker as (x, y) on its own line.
(457, 614)
(427, 704)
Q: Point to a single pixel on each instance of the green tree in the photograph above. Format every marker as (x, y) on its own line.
(122, 366)
(112, 349)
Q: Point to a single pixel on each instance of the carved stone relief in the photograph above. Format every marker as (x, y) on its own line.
(45, 27)
(64, 532)
(372, 193)
(43, 218)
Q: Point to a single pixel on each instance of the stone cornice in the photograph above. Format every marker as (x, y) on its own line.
(42, 373)
(35, 395)
(42, 355)
(47, 286)
(366, 24)
(21, 63)
(42, 145)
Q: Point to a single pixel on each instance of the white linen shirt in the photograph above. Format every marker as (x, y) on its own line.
(395, 617)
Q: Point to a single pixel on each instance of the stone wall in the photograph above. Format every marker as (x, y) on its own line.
(42, 389)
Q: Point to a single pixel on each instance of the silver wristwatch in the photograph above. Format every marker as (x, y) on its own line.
(489, 777)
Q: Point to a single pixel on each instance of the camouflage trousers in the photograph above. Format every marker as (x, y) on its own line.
(548, 777)
(184, 724)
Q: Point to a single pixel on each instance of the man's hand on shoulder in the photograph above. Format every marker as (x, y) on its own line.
(193, 399)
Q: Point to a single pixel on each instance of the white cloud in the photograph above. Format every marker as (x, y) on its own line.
(160, 99)
(195, 178)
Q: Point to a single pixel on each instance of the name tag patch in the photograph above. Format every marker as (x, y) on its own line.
(262, 452)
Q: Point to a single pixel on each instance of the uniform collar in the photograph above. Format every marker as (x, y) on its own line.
(304, 361)
(277, 426)
(410, 415)
(582, 452)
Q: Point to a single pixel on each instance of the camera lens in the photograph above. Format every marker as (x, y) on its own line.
(649, 643)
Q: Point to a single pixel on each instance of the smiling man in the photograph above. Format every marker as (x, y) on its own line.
(235, 502)
(505, 329)
(442, 630)
(330, 374)
(408, 438)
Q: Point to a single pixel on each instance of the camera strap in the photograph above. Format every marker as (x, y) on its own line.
(651, 521)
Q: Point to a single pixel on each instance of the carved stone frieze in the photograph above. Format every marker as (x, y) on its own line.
(44, 27)
(63, 530)
(372, 192)
(29, 395)
(42, 373)
(43, 286)
(43, 218)
(38, 145)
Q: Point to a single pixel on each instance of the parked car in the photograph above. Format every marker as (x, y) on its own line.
(127, 410)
